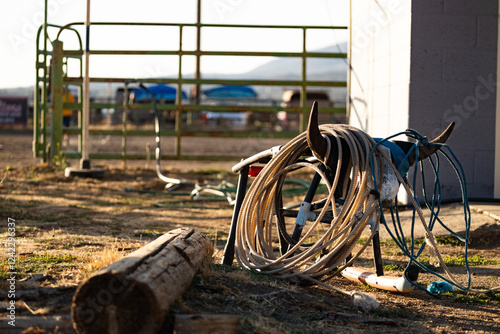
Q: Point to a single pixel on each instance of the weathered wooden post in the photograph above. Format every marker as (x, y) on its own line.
(134, 294)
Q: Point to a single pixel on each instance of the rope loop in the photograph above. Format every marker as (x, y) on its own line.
(261, 223)
(316, 255)
(433, 205)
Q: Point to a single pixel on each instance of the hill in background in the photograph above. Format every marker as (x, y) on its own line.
(320, 69)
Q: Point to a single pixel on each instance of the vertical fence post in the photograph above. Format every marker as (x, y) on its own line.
(124, 125)
(39, 104)
(178, 101)
(85, 161)
(80, 113)
(57, 99)
(181, 128)
(198, 48)
(303, 92)
(44, 89)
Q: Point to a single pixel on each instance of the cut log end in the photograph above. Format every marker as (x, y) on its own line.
(106, 304)
(134, 294)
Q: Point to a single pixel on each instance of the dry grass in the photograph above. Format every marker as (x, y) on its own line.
(93, 261)
(67, 229)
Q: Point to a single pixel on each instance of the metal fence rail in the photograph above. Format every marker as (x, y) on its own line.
(51, 77)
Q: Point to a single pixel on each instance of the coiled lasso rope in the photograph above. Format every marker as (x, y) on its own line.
(434, 206)
(257, 227)
(259, 224)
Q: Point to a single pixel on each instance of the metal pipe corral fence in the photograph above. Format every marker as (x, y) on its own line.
(45, 103)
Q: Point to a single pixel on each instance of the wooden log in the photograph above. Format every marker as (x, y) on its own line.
(205, 324)
(60, 323)
(133, 295)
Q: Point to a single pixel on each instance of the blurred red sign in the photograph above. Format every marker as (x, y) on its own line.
(13, 110)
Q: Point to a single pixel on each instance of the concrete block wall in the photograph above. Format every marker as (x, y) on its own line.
(439, 65)
(453, 78)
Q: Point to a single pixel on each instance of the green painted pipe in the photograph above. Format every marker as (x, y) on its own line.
(57, 100)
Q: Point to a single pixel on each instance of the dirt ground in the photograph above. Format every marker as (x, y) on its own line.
(67, 228)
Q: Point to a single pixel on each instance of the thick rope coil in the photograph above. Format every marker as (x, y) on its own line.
(327, 256)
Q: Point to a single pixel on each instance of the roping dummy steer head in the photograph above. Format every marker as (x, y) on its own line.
(328, 153)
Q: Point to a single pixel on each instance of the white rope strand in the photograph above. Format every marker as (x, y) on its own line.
(254, 240)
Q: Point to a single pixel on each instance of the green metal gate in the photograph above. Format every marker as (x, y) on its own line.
(52, 64)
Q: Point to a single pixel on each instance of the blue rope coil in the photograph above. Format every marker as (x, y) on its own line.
(431, 199)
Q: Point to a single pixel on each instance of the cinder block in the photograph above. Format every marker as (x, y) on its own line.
(468, 99)
(449, 189)
(465, 157)
(361, 44)
(358, 116)
(426, 99)
(425, 125)
(469, 7)
(400, 66)
(380, 102)
(443, 31)
(381, 72)
(467, 64)
(455, 92)
(480, 190)
(451, 192)
(359, 12)
(436, 99)
(400, 31)
(487, 32)
(382, 46)
(476, 133)
(399, 99)
(484, 166)
(426, 64)
(394, 8)
(397, 124)
(378, 126)
(360, 57)
(426, 7)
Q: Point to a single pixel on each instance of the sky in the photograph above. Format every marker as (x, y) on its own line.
(20, 20)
